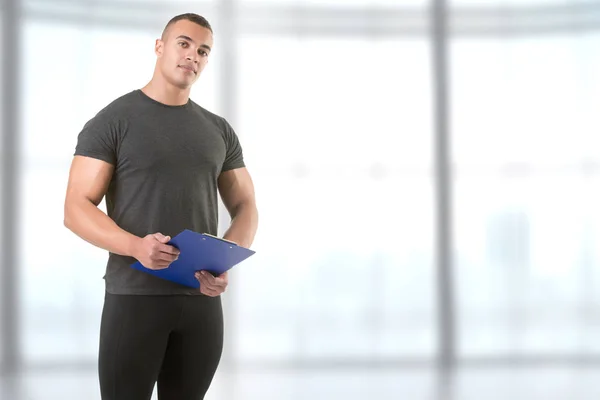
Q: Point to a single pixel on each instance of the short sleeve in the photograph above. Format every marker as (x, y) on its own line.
(234, 157)
(99, 139)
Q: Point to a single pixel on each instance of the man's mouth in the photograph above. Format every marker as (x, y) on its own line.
(188, 68)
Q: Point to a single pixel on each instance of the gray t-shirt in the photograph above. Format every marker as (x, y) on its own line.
(167, 161)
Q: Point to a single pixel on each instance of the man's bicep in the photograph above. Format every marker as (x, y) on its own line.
(236, 188)
(89, 178)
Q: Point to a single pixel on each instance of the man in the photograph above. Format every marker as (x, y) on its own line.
(161, 160)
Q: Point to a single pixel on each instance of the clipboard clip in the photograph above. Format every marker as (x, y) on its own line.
(224, 240)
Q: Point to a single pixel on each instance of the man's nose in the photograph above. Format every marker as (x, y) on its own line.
(192, 57)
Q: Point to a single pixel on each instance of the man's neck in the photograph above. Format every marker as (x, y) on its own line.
(166, 93)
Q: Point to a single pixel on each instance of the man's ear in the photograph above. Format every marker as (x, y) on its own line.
(158, 47)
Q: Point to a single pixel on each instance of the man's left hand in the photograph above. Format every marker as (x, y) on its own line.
(210, 285)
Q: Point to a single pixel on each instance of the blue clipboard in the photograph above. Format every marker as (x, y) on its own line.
(199, 251)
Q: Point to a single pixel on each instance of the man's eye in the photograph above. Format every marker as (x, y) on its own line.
(203, 53)
(184, 44)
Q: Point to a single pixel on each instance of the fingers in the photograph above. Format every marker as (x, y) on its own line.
(205, 288)
(223, 278)
(161, 256)
(208, 291)
(161, 265)
(162, 238)
(165, 248)
(163, 251)
(204, 281)
(212, 280)
(210, 285)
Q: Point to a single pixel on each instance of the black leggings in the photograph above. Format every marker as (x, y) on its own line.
(174, 341)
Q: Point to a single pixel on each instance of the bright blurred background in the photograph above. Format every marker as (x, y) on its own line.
(427, 175)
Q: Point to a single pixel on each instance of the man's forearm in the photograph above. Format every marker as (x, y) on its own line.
(243, 226)
(88, 222)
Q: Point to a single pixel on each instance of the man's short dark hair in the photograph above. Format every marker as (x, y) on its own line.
(195, 18)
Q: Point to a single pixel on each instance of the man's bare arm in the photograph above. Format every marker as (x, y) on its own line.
(237, 191)
(88, 181)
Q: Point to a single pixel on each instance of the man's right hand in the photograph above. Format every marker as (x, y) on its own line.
(153, 252)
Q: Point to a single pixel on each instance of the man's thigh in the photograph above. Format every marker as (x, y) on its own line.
(194, 350)
(134, 334)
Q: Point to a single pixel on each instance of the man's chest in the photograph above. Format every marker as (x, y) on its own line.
(166, 148)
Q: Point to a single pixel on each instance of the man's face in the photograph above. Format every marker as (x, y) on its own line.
(183, 52)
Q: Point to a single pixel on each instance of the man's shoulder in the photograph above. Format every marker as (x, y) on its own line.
(211, 116)
(122, 106)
